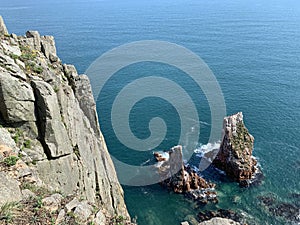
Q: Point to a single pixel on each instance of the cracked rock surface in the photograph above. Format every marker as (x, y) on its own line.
(50, 123)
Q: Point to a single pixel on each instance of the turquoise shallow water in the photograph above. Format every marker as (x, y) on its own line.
(253, 48)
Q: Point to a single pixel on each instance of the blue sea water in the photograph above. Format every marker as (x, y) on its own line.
(253, 48)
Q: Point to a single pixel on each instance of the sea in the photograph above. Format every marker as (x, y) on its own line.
(253, 49)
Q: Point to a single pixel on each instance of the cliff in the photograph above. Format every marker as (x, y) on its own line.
(50, 137)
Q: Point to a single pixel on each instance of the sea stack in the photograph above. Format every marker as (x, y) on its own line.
(182, 178)
(235, 155)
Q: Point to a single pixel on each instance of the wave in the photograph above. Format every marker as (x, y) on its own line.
(200, 151)
(204, 123)
(220, 171)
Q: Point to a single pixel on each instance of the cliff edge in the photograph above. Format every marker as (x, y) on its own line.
(49, 135)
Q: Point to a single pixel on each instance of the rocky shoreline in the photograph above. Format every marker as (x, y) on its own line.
(48, 171)
(234, 158)
(290, 211)
(183, 179)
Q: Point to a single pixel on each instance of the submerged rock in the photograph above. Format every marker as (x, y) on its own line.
(182, 179)
(286, 210)
(235, 155)
(221, 213)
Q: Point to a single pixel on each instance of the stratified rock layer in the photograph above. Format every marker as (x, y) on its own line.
(235, 155)
(50, 112)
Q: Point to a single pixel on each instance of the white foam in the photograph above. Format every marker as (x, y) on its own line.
(196, 169)
(200, 151)
(163, 154)
(144, 163)
(221, 171)
(204, 123)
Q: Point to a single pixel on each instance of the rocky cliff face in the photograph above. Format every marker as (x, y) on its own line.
(235, 155)
(49, 111)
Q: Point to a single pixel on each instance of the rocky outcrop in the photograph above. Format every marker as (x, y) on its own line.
(10, 191)
(50, 113)
(235, 154)
(84, 95)
(219, 221)
(181, 178)
(226, 214)
(272, 205)
(3, 29)
(16, 99)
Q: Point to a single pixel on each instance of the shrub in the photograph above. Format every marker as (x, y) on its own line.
(37, 69)
(13, 56)
(6, 211)
(11, 160)
(17, 135)
(27, 144)
(56, 89)
(27, 53)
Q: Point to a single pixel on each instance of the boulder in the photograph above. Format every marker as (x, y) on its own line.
(48, 47)
(83, 211)
(11, 49)
(191, 220)
(52, 202)
(16, 99)
(11, 66)
(219, 221)
(72, 204)
(5, 151)
(227, 214)
(235, 154)
(184, 223)
(6, 140)
(61, 217)
(27, 194)
(100, 219)
(35, 153)
(36, 39)
(60, 174)
(9, 189)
